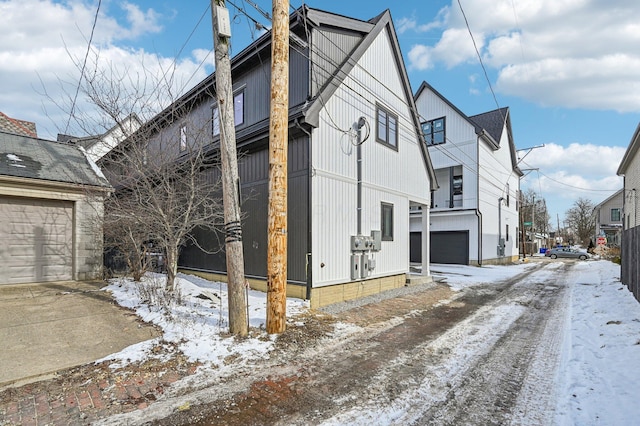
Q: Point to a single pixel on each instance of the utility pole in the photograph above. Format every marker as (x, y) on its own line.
(278, 146)
(238, 318)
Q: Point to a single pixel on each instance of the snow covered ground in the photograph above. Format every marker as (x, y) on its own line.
(597, 378)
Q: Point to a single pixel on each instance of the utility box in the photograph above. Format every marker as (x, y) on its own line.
(376, 236)
(364, 266)
(223, 21)
(357, 243)
(501, 247)
(355, 266)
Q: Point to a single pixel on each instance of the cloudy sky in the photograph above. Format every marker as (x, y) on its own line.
(566, 68)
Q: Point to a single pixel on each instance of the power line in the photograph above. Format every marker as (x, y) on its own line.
(325, 57)
(475, 46)
(84, 65)
(576, 187)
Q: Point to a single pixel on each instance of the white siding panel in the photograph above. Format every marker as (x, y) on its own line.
(396, 177)
(496, 177)
(460, 221)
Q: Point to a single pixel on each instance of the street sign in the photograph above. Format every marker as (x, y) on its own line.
(528, 223)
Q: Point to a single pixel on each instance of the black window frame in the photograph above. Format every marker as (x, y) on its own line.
(386, 210)
(237, 120)
(429, 134)
(389, 117)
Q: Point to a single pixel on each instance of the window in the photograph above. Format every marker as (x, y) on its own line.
(183, 138)
(507, 200)
(387, 128)
(455, 192)
(238, 113)
(434, 131)
(507, 236)
(615, 215)
(215, 122)
(387, 222)
(457, 185)
(238, 108)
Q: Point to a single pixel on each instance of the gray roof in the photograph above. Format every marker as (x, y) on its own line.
(493, 122)
(26, 157)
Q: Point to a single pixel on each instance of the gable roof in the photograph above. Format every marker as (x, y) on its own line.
(375, 27)
(488, 126)
(493, 122)
(629, 155)
(618, 193)
(308, 112)
(32, 158)
(97, 146)
(18, 127)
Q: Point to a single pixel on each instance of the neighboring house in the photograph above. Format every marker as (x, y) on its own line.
(98, 146)
(474, 213)
(51, 199)
(17, 127)
(344, 74)
(630, 169)
(609, 219)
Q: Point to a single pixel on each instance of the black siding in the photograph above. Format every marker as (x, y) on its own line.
(253, 169)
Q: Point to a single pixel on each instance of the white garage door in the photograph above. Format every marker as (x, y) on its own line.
(35, 240)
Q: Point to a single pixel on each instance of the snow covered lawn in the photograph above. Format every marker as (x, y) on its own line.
(198, 321)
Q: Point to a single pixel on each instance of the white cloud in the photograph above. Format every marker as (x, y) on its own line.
(568, 173)
(568, 53)
(44, 43)
(141, 21)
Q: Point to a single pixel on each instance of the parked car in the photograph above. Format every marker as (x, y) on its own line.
(567, 252)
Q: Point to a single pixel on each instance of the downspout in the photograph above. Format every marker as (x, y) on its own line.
(361, 123)
(478, 212)
(308, 267)
(500, 225)
(479, 215)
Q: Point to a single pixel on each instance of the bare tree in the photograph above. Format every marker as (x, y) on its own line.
(167, 186)
(581, 219)
(534, 209)
(165, 175)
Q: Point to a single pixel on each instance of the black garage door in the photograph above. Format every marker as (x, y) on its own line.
(415, 247)
(450, 247)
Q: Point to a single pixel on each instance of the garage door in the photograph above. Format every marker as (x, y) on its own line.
(415, 247)
(450, 247)
(35, 240)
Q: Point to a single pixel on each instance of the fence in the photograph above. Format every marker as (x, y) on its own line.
(630, 270)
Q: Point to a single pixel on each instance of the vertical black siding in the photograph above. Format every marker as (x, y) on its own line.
(253, 169)
(331, 48)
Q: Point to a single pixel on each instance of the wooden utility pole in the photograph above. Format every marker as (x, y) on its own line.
(238, 321)
(278, 146)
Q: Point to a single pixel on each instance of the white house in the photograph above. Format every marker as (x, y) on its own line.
(98, 146)
(474, 213)
(609, 219)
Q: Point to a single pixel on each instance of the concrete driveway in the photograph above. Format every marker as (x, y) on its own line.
(48, 327)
